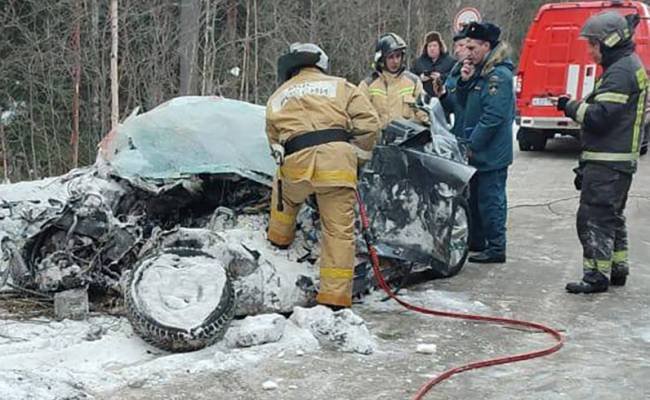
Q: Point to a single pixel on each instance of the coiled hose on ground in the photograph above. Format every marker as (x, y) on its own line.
(557, 336)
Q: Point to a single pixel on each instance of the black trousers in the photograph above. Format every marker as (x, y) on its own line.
(600, 220)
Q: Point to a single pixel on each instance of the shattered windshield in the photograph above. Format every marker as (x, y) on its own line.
(191, 135)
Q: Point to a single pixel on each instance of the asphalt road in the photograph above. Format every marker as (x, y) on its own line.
(607, 351)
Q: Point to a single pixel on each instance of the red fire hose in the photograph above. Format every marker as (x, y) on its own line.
(557, 336)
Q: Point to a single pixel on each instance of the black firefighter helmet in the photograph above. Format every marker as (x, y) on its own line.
(386, 44)
(610, 28)
(301, 55)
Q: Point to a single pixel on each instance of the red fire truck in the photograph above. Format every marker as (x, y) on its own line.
(554, 61)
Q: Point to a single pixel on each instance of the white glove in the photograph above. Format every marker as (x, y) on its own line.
(277, 152)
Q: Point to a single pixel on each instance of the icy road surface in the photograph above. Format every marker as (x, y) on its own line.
(607, 354)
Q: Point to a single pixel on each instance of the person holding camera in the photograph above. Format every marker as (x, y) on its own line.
(434, 63)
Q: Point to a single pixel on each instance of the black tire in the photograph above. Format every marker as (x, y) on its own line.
(174, 339)
(458, 241)
(524, 145)
(523, 138)
(539, 142)
(531, 139)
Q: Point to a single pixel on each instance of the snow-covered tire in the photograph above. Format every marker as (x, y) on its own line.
(146, 321)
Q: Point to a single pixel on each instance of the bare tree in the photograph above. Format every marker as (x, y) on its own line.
(167, 47)
(76, 76)
(188, 44)
(115, 84)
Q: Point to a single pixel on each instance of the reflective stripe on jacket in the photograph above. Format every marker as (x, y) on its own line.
(612, 115)
(394, 95)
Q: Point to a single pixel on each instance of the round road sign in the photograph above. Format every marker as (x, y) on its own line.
(465, 16)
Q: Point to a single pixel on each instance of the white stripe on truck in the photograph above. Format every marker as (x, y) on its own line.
(589, 80)
(572, 80)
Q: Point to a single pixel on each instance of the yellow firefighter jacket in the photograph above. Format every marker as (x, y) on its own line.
(313, 101)
(393, 96)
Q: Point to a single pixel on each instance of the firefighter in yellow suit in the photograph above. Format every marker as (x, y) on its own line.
(392, 89)
(318, 127)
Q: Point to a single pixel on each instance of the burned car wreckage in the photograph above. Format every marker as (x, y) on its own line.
(172, 218)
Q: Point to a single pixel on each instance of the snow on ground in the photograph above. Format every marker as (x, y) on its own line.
(44, 359)
(49, 360)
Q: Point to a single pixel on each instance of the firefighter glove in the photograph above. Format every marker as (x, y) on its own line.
(577, 181)
(562, 102)
(277, 152)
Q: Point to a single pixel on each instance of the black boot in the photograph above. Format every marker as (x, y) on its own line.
(592, 282)
(476, 247)
(619, 274)
(486, 258)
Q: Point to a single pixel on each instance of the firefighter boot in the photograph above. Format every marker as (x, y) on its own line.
(619, 274)
(592, 282)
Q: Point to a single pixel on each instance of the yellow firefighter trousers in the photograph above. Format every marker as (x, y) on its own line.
(336, 207)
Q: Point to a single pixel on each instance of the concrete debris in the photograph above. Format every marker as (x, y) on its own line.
(269, 385)
(95, 332)
(426, 348)
(256, 330)
(71, 304)
(341, 330)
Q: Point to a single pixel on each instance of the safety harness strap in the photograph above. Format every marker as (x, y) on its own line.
(311, 139)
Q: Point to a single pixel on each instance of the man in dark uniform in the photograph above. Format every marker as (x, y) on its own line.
(483, 102)
(612, 120)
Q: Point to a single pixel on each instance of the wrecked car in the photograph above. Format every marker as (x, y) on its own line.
(172, 218)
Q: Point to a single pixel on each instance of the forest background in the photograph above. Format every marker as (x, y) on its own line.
(167, 48)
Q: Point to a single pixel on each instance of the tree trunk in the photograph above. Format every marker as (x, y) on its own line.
(76, 77)
(115, 106)
(188, 44)
(231, 20)
(96, 124)
(206, 47)
(5, 165)
(243, 90)
(256, 61)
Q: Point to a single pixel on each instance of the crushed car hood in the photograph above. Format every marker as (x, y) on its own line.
(189, 136)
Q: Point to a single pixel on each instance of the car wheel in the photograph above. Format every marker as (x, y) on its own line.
(523, 138)
(530, 139)
(538, 143)
(179, 299)
(458, 241)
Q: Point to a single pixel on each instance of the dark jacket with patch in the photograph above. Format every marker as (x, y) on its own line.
(612, 115)
(485, 109)
(450, 102)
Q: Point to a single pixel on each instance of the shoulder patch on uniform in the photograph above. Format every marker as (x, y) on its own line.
(323, 88)
(493, 84)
